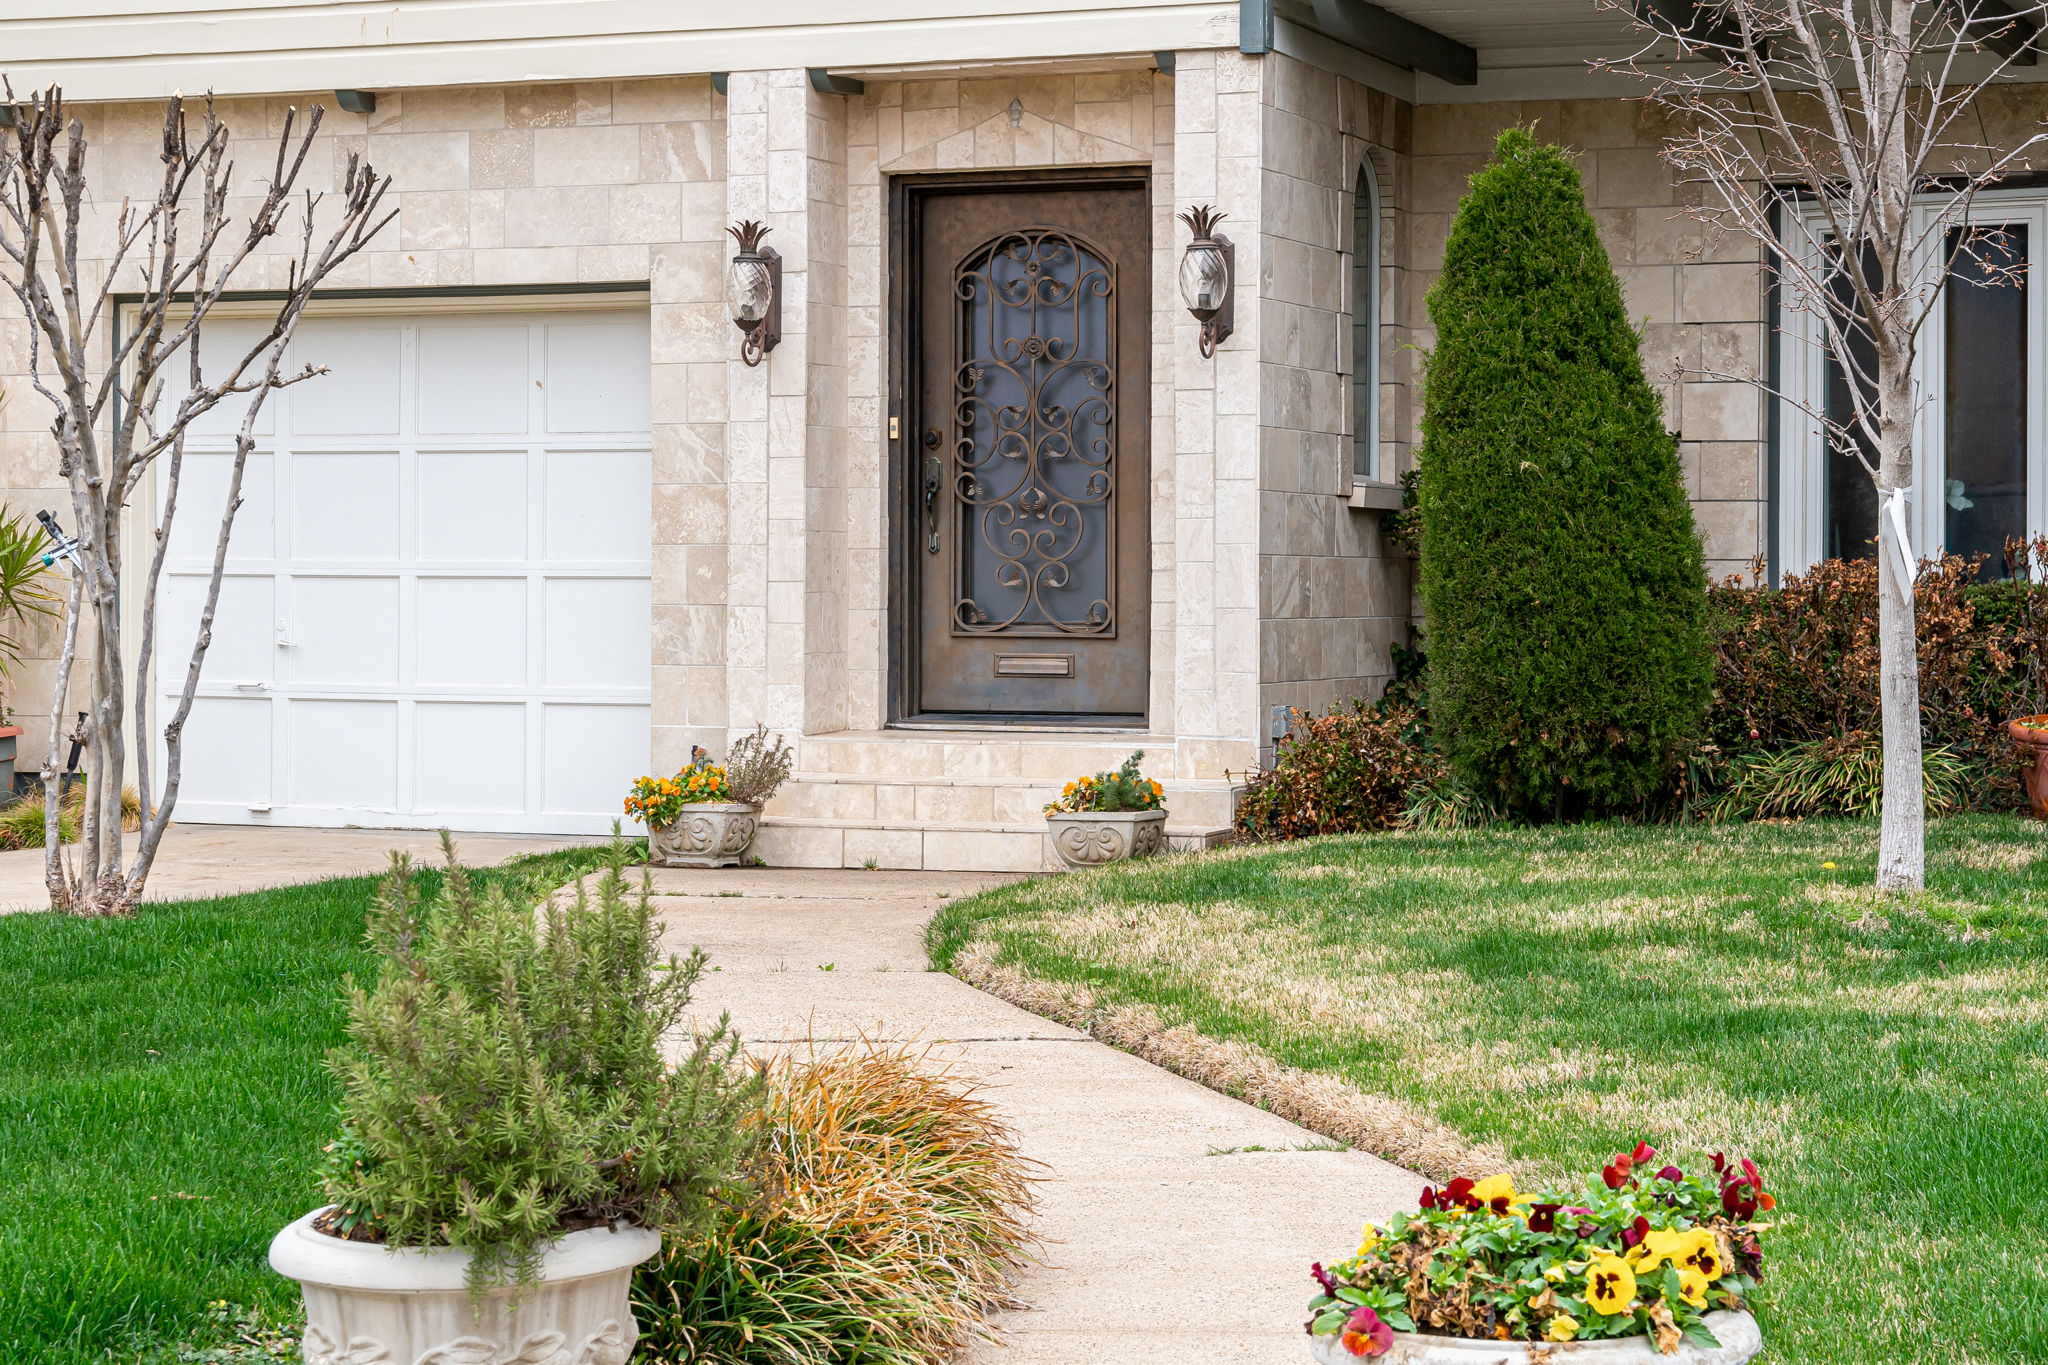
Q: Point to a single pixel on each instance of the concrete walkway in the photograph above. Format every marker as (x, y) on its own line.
(224, 860)
(1151, 1212)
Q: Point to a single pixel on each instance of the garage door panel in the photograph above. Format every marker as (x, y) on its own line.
(469, 756)
(472, 632)
(438, 605)
(593, 753)
(597, 508)
(345, 505)
(242, 649)
(473, 380)
(203, 498)
(342, 754)
(227, 758)
(598, 633)
(472, 505)
(359, 394)
(344, 631)
(597, 379)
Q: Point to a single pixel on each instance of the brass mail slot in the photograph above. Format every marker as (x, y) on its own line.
(1034, 665)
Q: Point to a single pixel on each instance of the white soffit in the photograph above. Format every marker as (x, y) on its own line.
(145, 49)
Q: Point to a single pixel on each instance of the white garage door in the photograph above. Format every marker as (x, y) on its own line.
(436, 603)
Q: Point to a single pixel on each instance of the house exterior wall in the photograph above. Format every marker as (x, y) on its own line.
(1272, 586)
(1334, 596)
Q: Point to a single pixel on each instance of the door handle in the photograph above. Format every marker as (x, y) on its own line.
(934, 475)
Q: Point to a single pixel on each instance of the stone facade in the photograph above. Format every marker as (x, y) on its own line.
(1272, 586)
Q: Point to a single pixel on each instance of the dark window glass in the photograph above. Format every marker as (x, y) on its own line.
(1986, 488)
(1849, 517)
(1365, 327)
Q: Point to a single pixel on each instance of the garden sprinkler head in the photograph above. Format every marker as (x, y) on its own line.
(61, 545)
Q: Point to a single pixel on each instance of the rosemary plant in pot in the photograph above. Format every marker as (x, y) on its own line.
(707, 814)
(514, 1140)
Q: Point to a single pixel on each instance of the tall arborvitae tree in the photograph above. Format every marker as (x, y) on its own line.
(1564, 597)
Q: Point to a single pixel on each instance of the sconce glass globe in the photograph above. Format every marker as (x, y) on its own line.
(749, 287)
(1203, 279)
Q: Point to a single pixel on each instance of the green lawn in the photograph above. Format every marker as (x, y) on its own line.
(163, 1101)
(1565, 991)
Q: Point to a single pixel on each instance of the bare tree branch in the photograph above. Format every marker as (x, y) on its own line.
(1835, 133)
(186, 250)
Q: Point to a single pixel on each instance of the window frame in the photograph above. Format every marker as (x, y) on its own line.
(1802, 379)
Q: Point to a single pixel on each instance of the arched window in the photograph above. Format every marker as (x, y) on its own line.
(1365, 326)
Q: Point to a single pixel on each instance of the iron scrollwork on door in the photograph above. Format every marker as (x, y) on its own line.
(1034, 438)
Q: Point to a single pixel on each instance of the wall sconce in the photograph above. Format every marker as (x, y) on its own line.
(1206, 268)
(753, 291)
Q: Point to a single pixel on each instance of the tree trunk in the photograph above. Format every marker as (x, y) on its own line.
(1902, 833)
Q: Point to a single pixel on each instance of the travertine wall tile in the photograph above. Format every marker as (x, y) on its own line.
(525, 186)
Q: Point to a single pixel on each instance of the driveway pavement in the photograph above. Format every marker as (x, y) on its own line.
(1155, 1218)
(221, 860)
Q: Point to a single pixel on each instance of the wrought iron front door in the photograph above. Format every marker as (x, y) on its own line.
(1026, 452)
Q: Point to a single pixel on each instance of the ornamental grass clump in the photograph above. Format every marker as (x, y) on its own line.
(887, 1213)
(505, 1080)
(1641, 1254)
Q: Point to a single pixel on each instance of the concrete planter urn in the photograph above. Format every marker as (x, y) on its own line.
(368, 1305)
(1085, 839)
(1738, 1334)
(2030, 737)
(706, 834)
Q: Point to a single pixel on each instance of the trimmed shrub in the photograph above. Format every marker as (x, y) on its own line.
(1355, 769)
(1563, 588)
(887, 1215)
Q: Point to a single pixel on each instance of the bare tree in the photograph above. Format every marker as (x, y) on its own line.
(126, 404)
(1841, 135)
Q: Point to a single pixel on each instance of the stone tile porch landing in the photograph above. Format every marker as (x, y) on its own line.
(1144, 1220)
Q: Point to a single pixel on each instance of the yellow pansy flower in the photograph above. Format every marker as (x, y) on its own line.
(1692, 1286)
(1368, 1239)
(1495, 1187)
(1657, 1247)
(1610, 1284)
(1563, 1327)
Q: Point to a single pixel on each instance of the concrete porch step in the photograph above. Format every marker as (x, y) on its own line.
(952, 845)
(969, 800)
(1045, 755)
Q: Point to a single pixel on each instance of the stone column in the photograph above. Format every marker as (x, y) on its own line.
(786, 633)
(1216, 160)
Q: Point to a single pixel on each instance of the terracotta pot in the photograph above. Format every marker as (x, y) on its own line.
(2030, 735)
(1085, 839)
(707, 834)
(1740, 1341)
(369, 1303)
